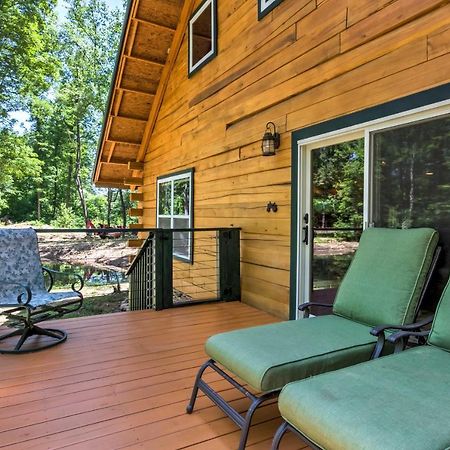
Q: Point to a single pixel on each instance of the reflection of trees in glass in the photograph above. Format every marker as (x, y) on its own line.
(412, 175)
(165, 199)
(181, 197)
(338, 183)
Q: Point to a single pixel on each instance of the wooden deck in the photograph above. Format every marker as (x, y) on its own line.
(123, 380)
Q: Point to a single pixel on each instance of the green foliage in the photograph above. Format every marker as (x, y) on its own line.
(60, 75)
(19, 166)
(338, 182)
(28, 62)
(66, 218)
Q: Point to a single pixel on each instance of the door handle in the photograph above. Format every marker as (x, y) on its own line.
(305, 234)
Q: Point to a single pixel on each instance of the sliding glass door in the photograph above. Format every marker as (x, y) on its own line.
(391, 173)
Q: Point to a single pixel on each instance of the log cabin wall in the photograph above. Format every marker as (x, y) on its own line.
(305, 62)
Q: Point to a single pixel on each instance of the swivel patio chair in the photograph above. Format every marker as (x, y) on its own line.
(24, 298)
(384, 285)
(398, 402)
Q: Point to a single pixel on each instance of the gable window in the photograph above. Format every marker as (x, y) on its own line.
(265, 6)
(202, 35)
(174, 201)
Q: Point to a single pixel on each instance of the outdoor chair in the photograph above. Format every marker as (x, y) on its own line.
(24, 298)
(401, 401)
(383, 285)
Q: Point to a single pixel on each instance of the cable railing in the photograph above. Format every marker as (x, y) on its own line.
(171, 267)
(185, 266)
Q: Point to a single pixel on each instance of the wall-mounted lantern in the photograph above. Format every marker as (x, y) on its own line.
(270, 140)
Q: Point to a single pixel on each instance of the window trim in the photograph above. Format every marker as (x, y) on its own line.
(266, 6)
(193, 68)
(179, 175)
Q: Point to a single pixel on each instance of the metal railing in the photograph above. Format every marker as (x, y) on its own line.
(183, 266)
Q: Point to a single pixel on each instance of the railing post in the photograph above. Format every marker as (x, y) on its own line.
(229, 265)
(163, 269)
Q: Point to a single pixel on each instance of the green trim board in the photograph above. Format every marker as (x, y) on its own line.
(384, 110)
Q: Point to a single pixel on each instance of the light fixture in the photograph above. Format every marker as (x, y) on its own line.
(270, 141)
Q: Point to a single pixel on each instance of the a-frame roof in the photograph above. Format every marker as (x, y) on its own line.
(151, 37)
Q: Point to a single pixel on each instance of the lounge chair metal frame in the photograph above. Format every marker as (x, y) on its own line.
(399, 340)
(244, 422)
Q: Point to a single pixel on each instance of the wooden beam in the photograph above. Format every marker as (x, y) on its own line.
(110, 184)
(111, 151)
(135, 165)
(136, 196)
(153, 24)
(134, 181)
(144, 60)
(136, 212)
(135, 91)
(135, 243)
(170, 62)
(135, 225)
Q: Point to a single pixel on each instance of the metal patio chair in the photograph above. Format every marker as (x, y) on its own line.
(384, 285)
(401, 401)
(25, 300)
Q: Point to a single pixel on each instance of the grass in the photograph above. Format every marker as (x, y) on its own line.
(100, 304)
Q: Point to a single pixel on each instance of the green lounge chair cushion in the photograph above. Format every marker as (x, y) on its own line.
(385, 279)
(396, 402)
(440, 331)
(269, 356)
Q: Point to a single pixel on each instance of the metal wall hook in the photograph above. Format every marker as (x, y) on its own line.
(272, 206)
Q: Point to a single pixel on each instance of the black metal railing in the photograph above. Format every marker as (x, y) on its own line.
(177, 267)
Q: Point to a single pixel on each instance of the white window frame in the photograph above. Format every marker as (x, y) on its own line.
(265, 6)
(201, 62)
(365, 130)
(187, 174)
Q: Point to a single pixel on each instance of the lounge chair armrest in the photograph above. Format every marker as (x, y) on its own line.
(306, 307)
(78, 279)
(400, 338)
(376, 331)
(379, 332)
(23, 298)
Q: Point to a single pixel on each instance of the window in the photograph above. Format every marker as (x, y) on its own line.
(174, 200)
(202, 35)
(265, 6)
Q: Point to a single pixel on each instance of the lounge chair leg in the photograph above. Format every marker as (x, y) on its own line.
(279, 435)
(256, 402)
(190, 406)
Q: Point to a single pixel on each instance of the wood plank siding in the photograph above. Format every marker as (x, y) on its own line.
(305, 62)
(123, 381)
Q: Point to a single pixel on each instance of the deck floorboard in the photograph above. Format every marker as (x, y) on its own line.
(122, 381)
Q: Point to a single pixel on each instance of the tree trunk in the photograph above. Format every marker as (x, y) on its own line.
(38, 203)
(69, 182)
(78, 177)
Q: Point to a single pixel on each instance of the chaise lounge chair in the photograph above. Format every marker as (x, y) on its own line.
(24, 298)
(398, 402)
(384, 285)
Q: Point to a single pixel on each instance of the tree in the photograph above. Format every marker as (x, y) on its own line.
(27, 59)
(338, 183)
(19, 166)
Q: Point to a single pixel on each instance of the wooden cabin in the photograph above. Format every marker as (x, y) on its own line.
(197, 84)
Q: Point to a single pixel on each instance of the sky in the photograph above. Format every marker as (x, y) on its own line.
(22, 117)
(61, 9)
